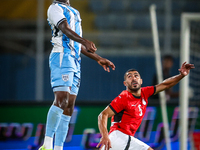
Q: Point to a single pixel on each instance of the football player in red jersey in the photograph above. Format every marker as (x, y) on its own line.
(128, 109)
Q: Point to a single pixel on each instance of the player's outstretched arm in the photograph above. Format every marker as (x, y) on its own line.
(64, 27)
(102, 124)
(105, 63)
(170, 82)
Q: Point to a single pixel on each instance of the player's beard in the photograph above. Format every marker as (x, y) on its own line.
(134, 89)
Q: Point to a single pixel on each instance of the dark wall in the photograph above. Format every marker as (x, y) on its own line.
(17, 77)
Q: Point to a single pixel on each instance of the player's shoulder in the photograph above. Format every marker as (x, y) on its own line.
(124, 94)
(57, 5)
(54, 7)
(147, 88)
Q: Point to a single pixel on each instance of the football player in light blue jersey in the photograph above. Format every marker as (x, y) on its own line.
(64, 64)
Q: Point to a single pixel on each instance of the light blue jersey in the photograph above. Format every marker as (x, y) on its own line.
(65, 56)
(57, 13)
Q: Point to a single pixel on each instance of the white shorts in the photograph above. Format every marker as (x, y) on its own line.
(121, 141)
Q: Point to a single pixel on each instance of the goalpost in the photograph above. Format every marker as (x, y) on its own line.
(190, 52)
(159, 74)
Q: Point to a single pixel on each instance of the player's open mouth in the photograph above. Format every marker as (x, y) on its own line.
(134, 83)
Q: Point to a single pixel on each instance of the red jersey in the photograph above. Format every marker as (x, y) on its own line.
(129, 110)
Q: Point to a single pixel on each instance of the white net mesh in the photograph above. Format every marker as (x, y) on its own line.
(194, 78)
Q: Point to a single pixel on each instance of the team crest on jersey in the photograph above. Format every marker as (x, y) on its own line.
(143, 102)
(65, 77)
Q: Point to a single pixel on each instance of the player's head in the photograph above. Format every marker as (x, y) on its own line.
(132, 80)
(64, 1)
(167, 61)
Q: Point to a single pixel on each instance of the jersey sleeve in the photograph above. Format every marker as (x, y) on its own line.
(55, 15)
(117, 105)
(149, 90)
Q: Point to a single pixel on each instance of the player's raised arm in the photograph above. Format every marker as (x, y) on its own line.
(64, 27)
(102, 124)
(170, 82)
(105, 63)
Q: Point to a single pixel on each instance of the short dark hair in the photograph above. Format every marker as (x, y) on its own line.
(129, 70)
(168, 56)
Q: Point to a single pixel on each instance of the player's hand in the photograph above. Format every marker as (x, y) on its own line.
(185, 68)
(105, 141)
(105, 63)
(90, 46)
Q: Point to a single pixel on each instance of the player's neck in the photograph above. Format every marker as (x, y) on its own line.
(136, 93)
(64, 1)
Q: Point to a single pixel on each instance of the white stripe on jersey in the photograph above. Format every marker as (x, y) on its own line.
(81, 36)
(61, 58)
(72, 26)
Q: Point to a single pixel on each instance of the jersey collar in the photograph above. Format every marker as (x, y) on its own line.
(138, 97)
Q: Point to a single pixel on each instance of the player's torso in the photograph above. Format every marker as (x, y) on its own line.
(135, 110)
(60, 42)
(131, 117)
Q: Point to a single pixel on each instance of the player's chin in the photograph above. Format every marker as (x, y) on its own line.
(135, 88)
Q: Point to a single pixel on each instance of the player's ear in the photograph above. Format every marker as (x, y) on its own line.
(125, 84)
(141, 81)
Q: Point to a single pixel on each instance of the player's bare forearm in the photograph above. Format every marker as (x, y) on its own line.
(103, 119)
(102, 124)
(170, 82)
(105, 63)
(64, 27)
(93, 56)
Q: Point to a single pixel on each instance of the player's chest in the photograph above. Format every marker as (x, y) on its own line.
(137, 107)
(73, 15)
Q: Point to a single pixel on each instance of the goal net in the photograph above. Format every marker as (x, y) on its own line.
(189, 86)
(194, 77)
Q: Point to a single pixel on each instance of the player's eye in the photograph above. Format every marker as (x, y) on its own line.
(136, 76)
